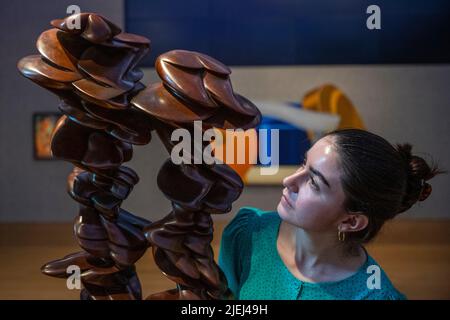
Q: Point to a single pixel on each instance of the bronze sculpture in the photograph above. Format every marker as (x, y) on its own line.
(106, 111)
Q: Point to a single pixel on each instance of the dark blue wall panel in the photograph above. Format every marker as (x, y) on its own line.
(290, 32)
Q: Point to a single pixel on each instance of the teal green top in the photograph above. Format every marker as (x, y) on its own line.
(253, 267)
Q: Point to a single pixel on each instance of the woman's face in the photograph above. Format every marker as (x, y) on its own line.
(313, 196)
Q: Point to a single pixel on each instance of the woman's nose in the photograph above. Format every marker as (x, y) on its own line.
(293, 181)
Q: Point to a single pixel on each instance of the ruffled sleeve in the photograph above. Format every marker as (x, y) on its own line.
(235, 248)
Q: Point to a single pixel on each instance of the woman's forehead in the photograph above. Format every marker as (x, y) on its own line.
(323, 157)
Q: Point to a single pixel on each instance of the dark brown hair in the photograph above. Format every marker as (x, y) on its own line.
(379, 179)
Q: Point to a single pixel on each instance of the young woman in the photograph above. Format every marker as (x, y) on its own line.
(351, 183)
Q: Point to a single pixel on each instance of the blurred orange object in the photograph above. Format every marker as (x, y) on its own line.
(245, 149)
(329, 99)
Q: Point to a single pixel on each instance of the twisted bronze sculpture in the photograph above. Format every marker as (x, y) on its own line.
(106, 111)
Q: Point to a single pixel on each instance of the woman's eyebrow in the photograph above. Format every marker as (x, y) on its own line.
(317, 172)
(320, 175)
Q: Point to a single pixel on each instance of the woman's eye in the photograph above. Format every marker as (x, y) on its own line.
(313, 184)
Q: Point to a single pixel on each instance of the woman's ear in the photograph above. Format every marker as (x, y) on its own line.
(353, 221)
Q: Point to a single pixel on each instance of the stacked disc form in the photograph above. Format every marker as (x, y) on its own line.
(106, 110)
(194, 87)
(92, 68)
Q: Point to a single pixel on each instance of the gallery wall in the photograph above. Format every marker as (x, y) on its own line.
(403, 103)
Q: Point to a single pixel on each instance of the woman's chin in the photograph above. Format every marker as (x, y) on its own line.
(282, 210)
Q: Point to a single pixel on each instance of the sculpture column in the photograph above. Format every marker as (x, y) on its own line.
(106, 110)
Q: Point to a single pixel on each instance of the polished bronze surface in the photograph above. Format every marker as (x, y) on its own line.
(106, 110)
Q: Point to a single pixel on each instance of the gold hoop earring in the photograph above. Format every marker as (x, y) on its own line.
(341, 236)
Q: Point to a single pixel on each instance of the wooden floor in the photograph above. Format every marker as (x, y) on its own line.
(414, 253)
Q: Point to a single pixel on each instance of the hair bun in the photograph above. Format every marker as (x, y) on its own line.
(405, 151)
(418, 172)
(426, 191)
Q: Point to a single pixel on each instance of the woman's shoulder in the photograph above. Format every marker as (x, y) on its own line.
(250, 227)
(379, 285)
(252, 220)
(237, 246)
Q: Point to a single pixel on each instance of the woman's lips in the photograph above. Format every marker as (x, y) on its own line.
(286, 199)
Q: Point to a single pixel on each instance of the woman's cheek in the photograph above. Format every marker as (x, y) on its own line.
(304, 208)
(312, 210)
(304, 196)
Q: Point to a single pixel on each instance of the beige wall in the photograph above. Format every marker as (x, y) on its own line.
(402, 103)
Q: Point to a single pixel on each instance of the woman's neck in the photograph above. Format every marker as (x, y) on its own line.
(317, 254)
